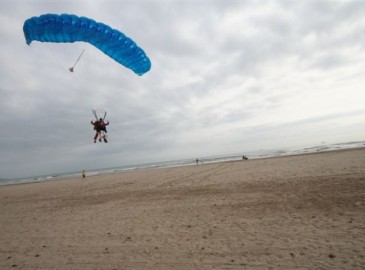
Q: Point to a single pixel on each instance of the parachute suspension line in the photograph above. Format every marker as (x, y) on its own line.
(71, 69)
(96, 116)
(99, 114)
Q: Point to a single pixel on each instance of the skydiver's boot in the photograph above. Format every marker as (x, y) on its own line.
(105, 140)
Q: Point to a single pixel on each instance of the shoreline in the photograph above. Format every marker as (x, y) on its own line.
(96, 172)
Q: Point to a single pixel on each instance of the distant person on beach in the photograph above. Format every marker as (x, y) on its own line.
(197, 161)
(99, 125)
(83, 173)
(244, 157)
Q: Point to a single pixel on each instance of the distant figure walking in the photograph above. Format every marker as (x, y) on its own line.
(83, 173)
(197, 161)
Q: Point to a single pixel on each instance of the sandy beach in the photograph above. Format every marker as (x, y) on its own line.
(294, 212)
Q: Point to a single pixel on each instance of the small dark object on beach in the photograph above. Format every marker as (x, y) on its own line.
(331, 256)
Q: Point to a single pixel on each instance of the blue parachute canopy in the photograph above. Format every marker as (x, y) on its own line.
(66, 28)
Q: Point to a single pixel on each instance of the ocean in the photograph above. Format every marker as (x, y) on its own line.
(192, 161)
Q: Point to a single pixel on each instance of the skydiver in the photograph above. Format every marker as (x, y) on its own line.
(99, 125)
(102, 127)
(96, 125)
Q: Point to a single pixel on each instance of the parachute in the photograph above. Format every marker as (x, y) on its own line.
(101, 132)
(68, 28)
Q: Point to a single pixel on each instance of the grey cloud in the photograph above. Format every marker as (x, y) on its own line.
(208, 84)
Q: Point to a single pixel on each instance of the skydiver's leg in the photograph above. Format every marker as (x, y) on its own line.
(96, 136)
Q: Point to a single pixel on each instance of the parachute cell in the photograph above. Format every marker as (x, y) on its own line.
(67, 28)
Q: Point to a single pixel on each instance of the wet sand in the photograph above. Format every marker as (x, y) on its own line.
(295, 212)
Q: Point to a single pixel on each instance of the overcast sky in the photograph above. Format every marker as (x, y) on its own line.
(226, 77)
